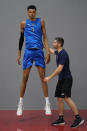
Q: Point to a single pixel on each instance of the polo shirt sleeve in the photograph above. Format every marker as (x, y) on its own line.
(62, 59)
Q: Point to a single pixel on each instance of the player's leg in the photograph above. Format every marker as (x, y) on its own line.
(44, 84)
(24, 81)
(41, 71)
(40, 64)
(22, 90)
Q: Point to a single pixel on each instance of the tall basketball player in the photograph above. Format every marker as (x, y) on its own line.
(33, 29)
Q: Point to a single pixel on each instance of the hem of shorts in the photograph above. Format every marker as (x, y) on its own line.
(62, 97)
(41, 66)
(34, 48)
(27, 67)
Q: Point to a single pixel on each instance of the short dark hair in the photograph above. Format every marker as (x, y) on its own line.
(60, 40)
(31, 7)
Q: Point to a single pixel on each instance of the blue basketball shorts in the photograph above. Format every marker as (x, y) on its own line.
(33, 55)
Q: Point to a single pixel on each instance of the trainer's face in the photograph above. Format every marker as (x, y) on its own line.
(55, 44)
(32, 13)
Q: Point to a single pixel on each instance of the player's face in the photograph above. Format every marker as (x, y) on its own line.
(55, 44)
(32, 13)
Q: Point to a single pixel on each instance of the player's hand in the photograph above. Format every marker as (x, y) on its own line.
(18, 59)
(47, 59)
(46, 79)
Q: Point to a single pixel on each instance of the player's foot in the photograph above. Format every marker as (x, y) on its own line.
(58, 122)
(20, 109)
(77, 122)
(48, 109)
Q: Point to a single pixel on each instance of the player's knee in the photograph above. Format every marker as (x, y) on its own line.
(25, 77)
(42, 76)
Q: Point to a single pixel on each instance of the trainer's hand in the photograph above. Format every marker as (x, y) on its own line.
(46, 79)
(47, 59)
(18, 59)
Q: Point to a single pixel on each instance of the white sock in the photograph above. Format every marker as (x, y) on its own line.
(21, 100)
(47, 100)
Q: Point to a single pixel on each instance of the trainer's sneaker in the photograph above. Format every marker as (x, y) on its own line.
(48, 109)
(58, 122)
(20, 109)
(77, 123)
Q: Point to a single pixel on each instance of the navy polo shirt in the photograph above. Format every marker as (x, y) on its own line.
(63, 59)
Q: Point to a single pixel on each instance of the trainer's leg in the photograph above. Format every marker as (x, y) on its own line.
(45, 90)
(24, 81)
(60, 120)
(78, 120)
(72, 105)
(60, 106)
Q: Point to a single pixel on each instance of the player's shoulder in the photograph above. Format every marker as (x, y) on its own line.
(42, 21)
(23, 22)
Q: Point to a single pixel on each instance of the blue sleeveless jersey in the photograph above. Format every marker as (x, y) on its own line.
(33, 34)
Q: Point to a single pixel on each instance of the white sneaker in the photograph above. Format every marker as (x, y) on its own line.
(48, 109)
(20, 109)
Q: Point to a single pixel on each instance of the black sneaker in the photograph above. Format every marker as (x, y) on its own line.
(77, 123)
(59, 122)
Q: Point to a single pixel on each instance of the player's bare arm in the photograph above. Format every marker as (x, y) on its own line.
(45, 41)
(21, 40)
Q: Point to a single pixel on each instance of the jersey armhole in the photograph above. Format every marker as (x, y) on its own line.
(40, 22)
(25, 22)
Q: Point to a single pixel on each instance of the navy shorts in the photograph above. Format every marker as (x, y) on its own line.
(63, 87)
(31, 55)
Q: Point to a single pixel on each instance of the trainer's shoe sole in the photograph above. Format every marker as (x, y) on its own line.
(58, 124)
(79, 124)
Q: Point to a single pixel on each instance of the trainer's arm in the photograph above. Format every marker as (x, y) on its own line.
(56, 72)
(21, 40)
(52, 51)
(45, 40)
